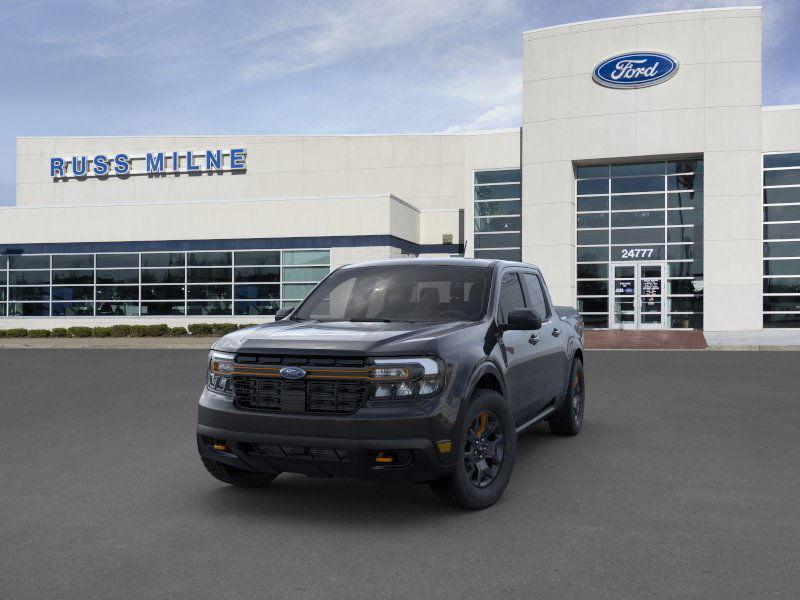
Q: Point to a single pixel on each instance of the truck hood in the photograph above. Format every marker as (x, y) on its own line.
(339, 337)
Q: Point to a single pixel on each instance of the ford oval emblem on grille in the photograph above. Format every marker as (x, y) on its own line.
(292, 373)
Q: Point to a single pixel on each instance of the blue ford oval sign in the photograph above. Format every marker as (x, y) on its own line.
(635, 70)
(292, 373)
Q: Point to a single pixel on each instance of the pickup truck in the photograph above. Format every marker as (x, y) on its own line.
(420, 370)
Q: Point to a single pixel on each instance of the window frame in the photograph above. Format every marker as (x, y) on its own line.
(545, 294)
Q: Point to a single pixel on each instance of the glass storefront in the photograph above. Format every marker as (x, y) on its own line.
(208, 283)
(781, 299)
(640, 244)
(498, 214)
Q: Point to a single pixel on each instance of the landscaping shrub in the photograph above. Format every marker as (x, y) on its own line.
(223, 328)
(17, 332)
(157, 330)
(201, 329)
(80, 332)
(177, 331)
(38, 333)
(120, 330)
(149, 330)
(101, 332)
(59, 332)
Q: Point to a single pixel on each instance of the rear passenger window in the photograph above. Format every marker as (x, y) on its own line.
(536, 293)
(511, 296)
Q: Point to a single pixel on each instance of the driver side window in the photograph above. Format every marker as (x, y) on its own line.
(511, 296)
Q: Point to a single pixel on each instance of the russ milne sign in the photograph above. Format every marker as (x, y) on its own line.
(635, 70)
(151, 163)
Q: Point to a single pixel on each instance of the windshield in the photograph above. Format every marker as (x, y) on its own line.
(424, 293)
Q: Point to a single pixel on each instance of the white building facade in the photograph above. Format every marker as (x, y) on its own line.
(646, 180)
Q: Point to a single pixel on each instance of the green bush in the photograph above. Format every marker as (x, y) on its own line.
(177, 331)
(80, 332)
(138, 331)
(217, 329)
(223, 328)
(201, 329)
(59, 332)
(16, 332)
(120, 330)
(101, 332)
(157, 330)
(149, 330)
(38, 333)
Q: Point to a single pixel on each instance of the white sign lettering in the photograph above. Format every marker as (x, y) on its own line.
(626, 69)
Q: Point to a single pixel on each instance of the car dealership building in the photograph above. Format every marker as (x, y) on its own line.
(646, 180)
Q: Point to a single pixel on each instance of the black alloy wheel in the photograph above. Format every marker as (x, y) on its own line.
(569, 419)
(576, 400)
(484, 449)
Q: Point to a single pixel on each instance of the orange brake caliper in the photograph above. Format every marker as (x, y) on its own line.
(482, 421)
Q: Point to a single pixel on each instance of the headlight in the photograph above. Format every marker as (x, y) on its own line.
(220, 366)
(407, 378)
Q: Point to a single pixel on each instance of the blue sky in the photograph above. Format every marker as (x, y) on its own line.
(151, 67)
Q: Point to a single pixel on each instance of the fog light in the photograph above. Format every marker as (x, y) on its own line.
(385, 457)
(220, 446)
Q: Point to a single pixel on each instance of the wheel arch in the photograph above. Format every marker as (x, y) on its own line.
(577, 354)
(486, 376)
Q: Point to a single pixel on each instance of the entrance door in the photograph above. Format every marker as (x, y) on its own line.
(637, 290)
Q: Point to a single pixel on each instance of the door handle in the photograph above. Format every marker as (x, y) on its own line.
(534, 339)
(556, 332)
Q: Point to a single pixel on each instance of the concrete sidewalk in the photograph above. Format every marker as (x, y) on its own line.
(765, 339)
(177, 343)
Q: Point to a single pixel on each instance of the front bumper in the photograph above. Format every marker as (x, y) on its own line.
(332, 445)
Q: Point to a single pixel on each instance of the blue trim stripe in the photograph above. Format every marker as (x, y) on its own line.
(337, 241)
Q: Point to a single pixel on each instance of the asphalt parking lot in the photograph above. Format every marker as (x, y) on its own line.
(685, 483)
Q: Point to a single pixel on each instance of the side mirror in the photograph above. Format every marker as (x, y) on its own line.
(524, 319)
(283, 313)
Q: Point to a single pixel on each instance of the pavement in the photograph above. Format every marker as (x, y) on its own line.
(683, 484)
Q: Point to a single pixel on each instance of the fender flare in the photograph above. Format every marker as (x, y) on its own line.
(575, 347)
(481, 369)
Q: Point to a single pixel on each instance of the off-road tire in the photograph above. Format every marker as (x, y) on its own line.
(569, 419)
(457, 489)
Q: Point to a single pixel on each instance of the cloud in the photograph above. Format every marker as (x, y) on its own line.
(338, 33)
(498, 117)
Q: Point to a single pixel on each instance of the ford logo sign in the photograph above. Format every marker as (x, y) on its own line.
(635, 70)
(292, 373)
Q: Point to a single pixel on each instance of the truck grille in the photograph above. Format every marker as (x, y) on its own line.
(331, 395)
(287, 451)
(339, 397)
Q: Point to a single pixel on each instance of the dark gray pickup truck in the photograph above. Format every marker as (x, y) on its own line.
(421, 370)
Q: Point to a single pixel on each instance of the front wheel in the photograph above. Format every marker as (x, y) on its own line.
(569, 420)
(486, 454)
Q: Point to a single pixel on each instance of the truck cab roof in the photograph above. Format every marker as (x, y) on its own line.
(460, 262)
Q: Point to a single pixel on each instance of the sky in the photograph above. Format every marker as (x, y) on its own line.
(173, 67)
